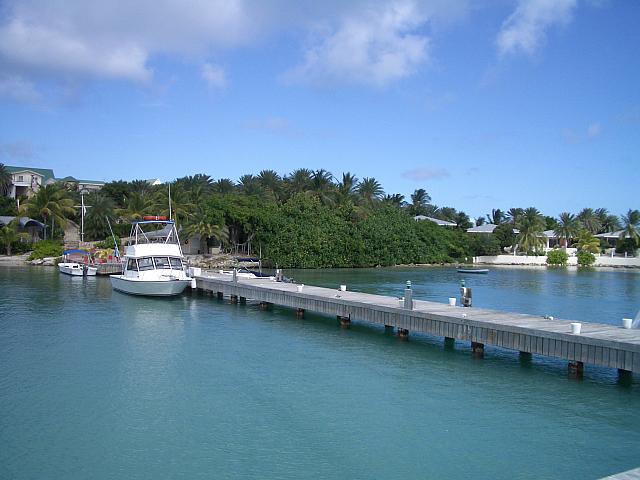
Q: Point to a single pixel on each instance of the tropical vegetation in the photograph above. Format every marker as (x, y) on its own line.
(311, 218)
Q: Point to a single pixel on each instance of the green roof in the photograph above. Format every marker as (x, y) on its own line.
(47, 173)
(75, 180)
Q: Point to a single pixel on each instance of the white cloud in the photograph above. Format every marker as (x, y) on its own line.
(75, 39)
(426, 173)
(19, 89)
(214, 76)
(593, 130)
(525, 30)
(375, 48)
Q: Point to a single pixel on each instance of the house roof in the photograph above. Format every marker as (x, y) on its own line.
(69, 178)
(47, 173)
(442, 223)
(24, 221)
(487, 228)
(611, 234)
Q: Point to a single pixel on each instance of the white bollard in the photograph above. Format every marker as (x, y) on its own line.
(300, 287)
(452, 301)
(343, 288)
(575, 328)
(626, 322)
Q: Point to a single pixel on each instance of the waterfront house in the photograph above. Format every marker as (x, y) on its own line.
(25, 181)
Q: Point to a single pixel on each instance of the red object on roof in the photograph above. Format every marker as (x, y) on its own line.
(154, 217)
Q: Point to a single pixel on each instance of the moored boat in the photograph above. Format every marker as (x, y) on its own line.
(80, 268)
(153, 261)
(473, 270)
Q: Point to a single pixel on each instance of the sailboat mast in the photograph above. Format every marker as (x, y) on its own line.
(169, 200)
(82, 217)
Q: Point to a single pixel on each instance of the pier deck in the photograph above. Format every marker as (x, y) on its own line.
(598, 344)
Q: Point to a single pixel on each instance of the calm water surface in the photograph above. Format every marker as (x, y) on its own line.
(97, 384)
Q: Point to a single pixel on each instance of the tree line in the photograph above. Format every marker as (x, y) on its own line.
(309, 218)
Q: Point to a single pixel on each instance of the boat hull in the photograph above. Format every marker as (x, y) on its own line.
(472, 270)
(77, 269)
(152, 288)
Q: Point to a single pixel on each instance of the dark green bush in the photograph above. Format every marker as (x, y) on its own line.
(46, 248)
(586, 259)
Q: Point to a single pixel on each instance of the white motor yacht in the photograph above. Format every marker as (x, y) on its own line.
(153, 260)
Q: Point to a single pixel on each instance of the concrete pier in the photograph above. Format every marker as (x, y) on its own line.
(598, 344)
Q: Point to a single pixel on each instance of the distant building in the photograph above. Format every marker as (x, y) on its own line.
(487, 228)
(154, 181)
(90, 185)
(437, 221)
(28, 180)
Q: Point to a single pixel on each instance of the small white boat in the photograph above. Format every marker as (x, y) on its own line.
(78, 269)
(240, 273)
(153, 261)
(473, 270)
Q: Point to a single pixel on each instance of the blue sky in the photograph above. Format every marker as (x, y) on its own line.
(488, 104)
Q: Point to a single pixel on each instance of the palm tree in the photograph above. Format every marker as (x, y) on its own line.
(271, 183)
(322, 186)
(589, 220)
(206, 230)
(224, 186)
(136, 205)
(568, 227)
(631, 228)
(462, 220)
(9, 234)
(480, 221)
(95, 221)
(419, 201)
(497, 216)
(51, 202)
(369, 190)
(181, 205)
(5, 181)
(299, 181)
(608, 222)
(448, 213)
(514, 215)
(346, 189)
(587, 242)
(396, 200)
(531, 225)
(141, 186)
(249, 185)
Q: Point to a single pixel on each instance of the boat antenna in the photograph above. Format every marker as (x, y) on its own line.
(115, 243)
(169, 200)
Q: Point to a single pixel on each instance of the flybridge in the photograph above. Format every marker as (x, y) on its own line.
(153, 232)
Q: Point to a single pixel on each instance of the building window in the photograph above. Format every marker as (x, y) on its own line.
(20, 178)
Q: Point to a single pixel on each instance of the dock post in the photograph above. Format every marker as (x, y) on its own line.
(477, 349)
(300, 313)
(525, 356)
(220, 295)
(408, 300)
(243, 300)
(264, 305)
(403, 333)
(234, 299)
(576, 369)
(449, 342)
(344, 321)
(388, 328)
(625, 377)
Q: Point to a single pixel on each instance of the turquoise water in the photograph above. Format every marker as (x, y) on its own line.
(97, 384)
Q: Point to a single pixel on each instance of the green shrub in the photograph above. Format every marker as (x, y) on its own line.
(557, 258)
(46, 248)
(586, 259)
(20, 247)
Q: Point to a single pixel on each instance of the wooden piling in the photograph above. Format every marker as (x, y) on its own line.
(403, 334)
(477, 349)
(344, 321)
(576, 369)
(300, 313)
